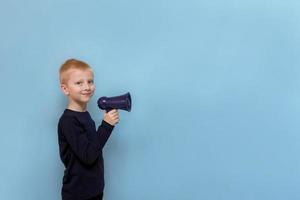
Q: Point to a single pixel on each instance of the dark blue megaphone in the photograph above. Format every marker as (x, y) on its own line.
(122, 102)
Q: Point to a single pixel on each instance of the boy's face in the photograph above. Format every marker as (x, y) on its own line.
(80, 86)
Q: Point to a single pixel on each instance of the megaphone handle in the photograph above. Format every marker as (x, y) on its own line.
(108, 109)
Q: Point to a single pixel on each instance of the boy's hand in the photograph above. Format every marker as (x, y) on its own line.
(111, 117)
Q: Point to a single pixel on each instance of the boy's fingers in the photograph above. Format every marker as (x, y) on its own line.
(116, 118)
(113, 114)
(113, 111)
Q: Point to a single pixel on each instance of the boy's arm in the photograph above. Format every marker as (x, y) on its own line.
(85, 149)
(103, 132)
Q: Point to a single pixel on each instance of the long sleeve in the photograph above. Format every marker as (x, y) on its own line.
(103, 132)
(86, 148)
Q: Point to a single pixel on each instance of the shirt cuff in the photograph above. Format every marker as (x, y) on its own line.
(107, 126)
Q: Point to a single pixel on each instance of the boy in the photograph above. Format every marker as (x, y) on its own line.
(80, 144)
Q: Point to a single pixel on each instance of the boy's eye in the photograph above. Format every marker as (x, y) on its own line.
(91, 82)
(78, 83)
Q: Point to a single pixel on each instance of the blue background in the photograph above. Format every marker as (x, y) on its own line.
(215, 89)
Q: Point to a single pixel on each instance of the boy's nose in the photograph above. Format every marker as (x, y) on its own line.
(86, 86)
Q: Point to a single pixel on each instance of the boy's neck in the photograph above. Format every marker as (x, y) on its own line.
(77, 107)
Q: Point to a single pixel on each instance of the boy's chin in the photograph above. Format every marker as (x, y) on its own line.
(86, 99)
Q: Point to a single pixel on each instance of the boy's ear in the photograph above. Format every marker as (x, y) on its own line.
(64, 89)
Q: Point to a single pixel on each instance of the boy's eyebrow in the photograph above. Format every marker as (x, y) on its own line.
(80, 80)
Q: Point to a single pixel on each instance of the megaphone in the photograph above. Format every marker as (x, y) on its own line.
(122, 102)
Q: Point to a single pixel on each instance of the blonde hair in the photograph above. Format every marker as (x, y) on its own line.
(71, 64)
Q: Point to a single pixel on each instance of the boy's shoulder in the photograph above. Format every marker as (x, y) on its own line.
(69, 117)
(68, 124)
(66, 118)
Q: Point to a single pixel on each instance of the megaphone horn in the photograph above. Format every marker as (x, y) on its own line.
(122, 102)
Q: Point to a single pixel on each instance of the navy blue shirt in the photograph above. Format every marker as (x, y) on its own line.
(80, 146)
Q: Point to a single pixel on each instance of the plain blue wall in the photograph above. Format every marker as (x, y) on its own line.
(215, 88)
